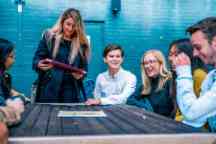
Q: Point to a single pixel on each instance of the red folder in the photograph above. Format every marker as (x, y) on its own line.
(64, 66)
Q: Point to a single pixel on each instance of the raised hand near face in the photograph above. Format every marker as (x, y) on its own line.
(182, 59)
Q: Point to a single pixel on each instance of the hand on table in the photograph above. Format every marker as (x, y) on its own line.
(93, 102)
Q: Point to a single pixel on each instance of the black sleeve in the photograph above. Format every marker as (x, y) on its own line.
(84, 61)
(172, 98)
(137, 100)
(2, 96)
(134, 98)
(85, 65)
(42, 52)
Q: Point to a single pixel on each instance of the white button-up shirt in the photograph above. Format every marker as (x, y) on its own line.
(115, 89)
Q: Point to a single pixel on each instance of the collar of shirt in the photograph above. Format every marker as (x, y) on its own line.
(214, 75)
(115, 76)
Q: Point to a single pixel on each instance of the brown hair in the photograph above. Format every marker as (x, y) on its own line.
(207, 26)
(111, 47)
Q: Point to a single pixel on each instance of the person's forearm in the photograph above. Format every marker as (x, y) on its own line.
(118, 99)
(185, 94)
(192, 107)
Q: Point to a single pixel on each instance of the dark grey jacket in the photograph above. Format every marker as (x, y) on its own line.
(49, 82)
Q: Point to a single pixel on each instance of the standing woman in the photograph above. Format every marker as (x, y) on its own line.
(65, 42)
(154, 92)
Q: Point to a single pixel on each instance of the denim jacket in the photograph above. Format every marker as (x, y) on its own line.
(195, 110)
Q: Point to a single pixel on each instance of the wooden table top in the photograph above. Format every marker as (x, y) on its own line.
(42, 120)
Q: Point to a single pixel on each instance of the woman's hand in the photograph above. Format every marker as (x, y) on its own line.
(93, 102)
(45, 64)
(15, 93)
(182, 59)
(77, 76)
(17, 104)
(10, 115)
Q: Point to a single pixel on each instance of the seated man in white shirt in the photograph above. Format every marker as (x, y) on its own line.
(197, 111)
(115, 85)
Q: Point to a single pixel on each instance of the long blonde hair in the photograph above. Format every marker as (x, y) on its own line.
(164, 74)
(79, 42)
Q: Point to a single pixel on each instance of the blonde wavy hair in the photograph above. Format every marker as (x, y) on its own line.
(164, 74)
(79, 42)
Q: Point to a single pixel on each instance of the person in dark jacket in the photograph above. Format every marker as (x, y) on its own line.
(11, 103)
(153, 95)
(67, 43)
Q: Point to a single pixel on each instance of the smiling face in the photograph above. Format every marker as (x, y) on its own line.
(202, 48)
(114, 60)
(68, 27)
(151, 65)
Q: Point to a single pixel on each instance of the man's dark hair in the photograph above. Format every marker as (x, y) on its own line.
(207, 26)
(112, 47)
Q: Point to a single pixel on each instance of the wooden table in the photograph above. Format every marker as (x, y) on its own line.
(41, 121)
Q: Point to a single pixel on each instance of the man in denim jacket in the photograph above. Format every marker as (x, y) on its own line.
(197, 111)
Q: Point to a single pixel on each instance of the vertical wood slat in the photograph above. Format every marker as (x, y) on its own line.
(28, 109)
(54, 125)
(41, 125)
(26, 128)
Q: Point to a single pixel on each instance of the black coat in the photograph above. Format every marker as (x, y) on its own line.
(50, 83)
(160, 101)
(5, 87)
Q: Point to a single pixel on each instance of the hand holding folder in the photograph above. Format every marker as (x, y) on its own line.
(64, 66)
